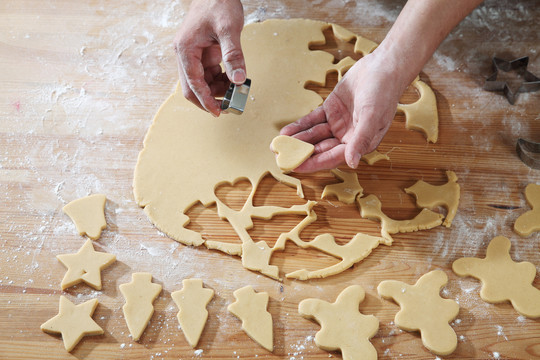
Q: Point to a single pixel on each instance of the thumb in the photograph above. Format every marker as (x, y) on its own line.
(233, 57)
(356, 148)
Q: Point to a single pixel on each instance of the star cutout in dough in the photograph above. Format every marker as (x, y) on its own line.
(73, 322)
(85, 266)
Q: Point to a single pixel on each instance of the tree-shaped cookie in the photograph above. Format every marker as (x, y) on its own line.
(192, 301)
(290, 152)
(346, 191)
(140, 293)
(73, 321)
(343, 326)
(529, 222)
(88, 215)
(423, 309)
(85, 266)
(250, 307)
(502, 278)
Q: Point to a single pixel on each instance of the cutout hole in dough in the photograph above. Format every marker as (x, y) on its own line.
(410, 95)
(294, 258)
(326, 89)
(271, 192)
(338, 48)
(269, 230)
(207, 222)
(234, 195)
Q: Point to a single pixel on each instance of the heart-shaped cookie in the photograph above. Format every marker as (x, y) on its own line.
(290, 152)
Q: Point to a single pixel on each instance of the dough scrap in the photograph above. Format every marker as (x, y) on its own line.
(371, 208)
(251, 308)
(73, 321)
(431, 196)
(85, 266)
(422, 115)
(140, 293)
(374, 157)
(192, 301)
(423, 309)
(502, 278)
(290, 152)
(88, 215)
(343, 326)
(346, 191)
(529, 222)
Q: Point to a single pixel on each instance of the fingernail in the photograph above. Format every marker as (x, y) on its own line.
(238, 76)
(355, 160)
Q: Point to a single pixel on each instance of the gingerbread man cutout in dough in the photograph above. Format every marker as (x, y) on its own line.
(502, 278)
(529, 222)
(422, 308)
(343, 326)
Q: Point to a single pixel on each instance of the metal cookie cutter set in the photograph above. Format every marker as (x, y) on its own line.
(529, 153)
(236, 97)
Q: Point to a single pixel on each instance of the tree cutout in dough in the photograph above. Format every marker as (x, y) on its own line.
(502, 278)
(290, 152)
(88, 215)
(250, 308)
(371, 208)
(343, 326)
(374, 157)
(140, 293)
(192, 301)
(423, 309)
(422, 115)
(73, 321)
(430, 196)
(346, 191)
(85, 266)
(529, 222)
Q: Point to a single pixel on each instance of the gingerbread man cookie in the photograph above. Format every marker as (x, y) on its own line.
(423, 309)
(502, 278)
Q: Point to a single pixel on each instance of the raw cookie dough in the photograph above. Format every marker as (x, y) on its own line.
(73, 321)
(371, 208)
(529, 222)
(431, 196)
(140, 293)
(502, 278)
(290, 152)
(423, 309)
(343, 326)
(346, 191)
(374, 157)
(173, 174)
(88, 215)
(85, 266)
(250, 307)
(192, 301)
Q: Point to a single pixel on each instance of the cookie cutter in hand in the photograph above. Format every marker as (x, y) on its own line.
(236, 98)
(529, 153)
(530, 81)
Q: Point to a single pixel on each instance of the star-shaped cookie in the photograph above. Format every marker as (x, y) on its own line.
(73, 322)
(85, 266)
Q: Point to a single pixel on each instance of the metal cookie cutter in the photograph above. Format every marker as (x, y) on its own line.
(530, 81)
(236, 97)
(529, 153)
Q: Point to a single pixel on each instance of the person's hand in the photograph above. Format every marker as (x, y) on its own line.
(353, 119)
(209, 35)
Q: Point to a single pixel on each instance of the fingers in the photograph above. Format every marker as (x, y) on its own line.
(233, 57)
(312, 119)
(327, 160)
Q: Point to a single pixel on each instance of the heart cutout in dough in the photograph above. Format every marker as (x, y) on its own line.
(290, 152)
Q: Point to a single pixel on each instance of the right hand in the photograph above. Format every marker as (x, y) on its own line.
(210, 35)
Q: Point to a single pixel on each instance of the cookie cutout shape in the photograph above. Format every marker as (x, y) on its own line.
(250, 307)
(423, 309)
(529, 222)
(88, 215)
(85, 266)
(431, 196)
(347, 191)
(140, 293)
(290, 152)
(374, 157)
(343, 326)
(73, 321)
(192, 301)
(422, 115)
(502, 278)
(371, 208)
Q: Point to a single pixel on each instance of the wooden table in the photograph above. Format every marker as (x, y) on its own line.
(80, 83)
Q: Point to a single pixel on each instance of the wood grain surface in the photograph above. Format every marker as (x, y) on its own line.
(79, 84)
